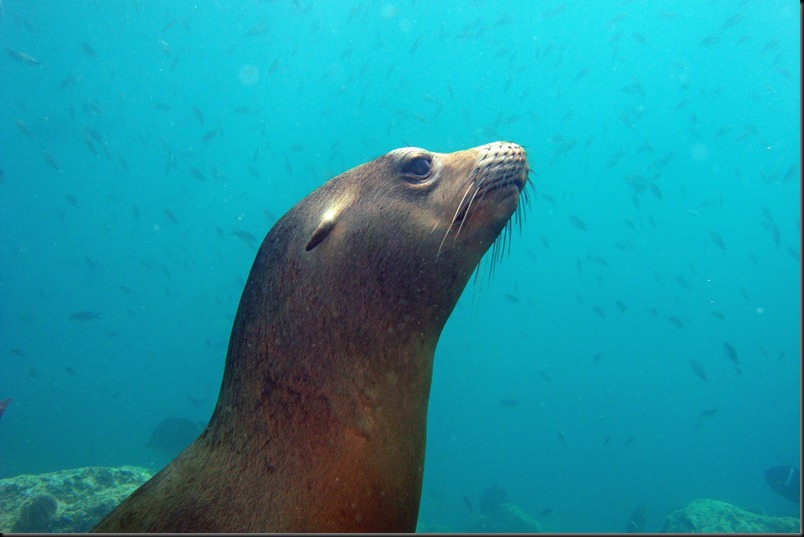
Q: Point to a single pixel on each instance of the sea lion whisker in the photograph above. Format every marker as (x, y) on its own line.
(455, 218)
(467, 211)
(482, 191)
(469, 184)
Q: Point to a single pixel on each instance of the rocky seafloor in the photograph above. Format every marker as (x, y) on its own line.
(713, 516)
(75, 500)
(66, 501)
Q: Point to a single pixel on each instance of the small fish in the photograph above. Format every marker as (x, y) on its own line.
(93, 108)
(547, 197)
(88, 50)
(544, 512)
(170, 215)
(582, 73)
(790, 173)
(699, 370)
(261, 28)
(468, 503)
(709, 41)
(512, 298)
(677, 322)
(635, 87)
(246, 237)
(733, 20)
(198, 115)
(163, 45)
(578, 223)
(723, 131)
(718, 240)
(509, 403)
(709, 412)
(637, 521)
(771, 45)
(774, 231)
(209, 135)
(629, 440)
(682, 282)
(728, 348)
(23, 127)
(597, 259)
(274, 66)
(84, 316)
(544, 376)
(3, 405)
(198, 174)
(607, 440)
(22, 57)
(196, 401)
(70, 80)
(94, 135)
(731, 354)
(562, 436)
(269, 216)
(615, 159)
(50, 161)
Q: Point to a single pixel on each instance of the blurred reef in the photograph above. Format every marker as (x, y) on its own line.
(66, 501)
(712, 516)
(70, 501)
(506, 518)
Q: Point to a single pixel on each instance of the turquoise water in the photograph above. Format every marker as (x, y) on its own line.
(146, 148)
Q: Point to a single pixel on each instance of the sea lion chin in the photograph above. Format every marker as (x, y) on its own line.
(320, 422)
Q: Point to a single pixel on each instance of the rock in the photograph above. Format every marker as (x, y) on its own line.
(712, 516)
(35, 514)
(66, 501)
(506, 518)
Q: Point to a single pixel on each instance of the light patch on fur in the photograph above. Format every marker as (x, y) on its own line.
(328, 220)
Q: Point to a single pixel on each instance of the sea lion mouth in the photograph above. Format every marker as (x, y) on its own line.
(501, 167)
(499, 183)
(482, 189)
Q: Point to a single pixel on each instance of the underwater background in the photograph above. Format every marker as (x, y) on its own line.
(639, 348)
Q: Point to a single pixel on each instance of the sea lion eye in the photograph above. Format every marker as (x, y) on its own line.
(419, 167)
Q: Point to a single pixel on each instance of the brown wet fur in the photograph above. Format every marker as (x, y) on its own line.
(320, 422)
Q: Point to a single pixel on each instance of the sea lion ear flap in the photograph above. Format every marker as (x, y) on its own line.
(327, 224)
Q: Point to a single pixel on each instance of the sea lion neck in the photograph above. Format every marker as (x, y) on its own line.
(342, 329)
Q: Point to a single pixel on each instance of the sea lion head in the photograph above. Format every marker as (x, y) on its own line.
(431, 193)
(414, 216)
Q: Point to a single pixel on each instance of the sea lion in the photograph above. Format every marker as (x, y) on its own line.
(320, 420)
